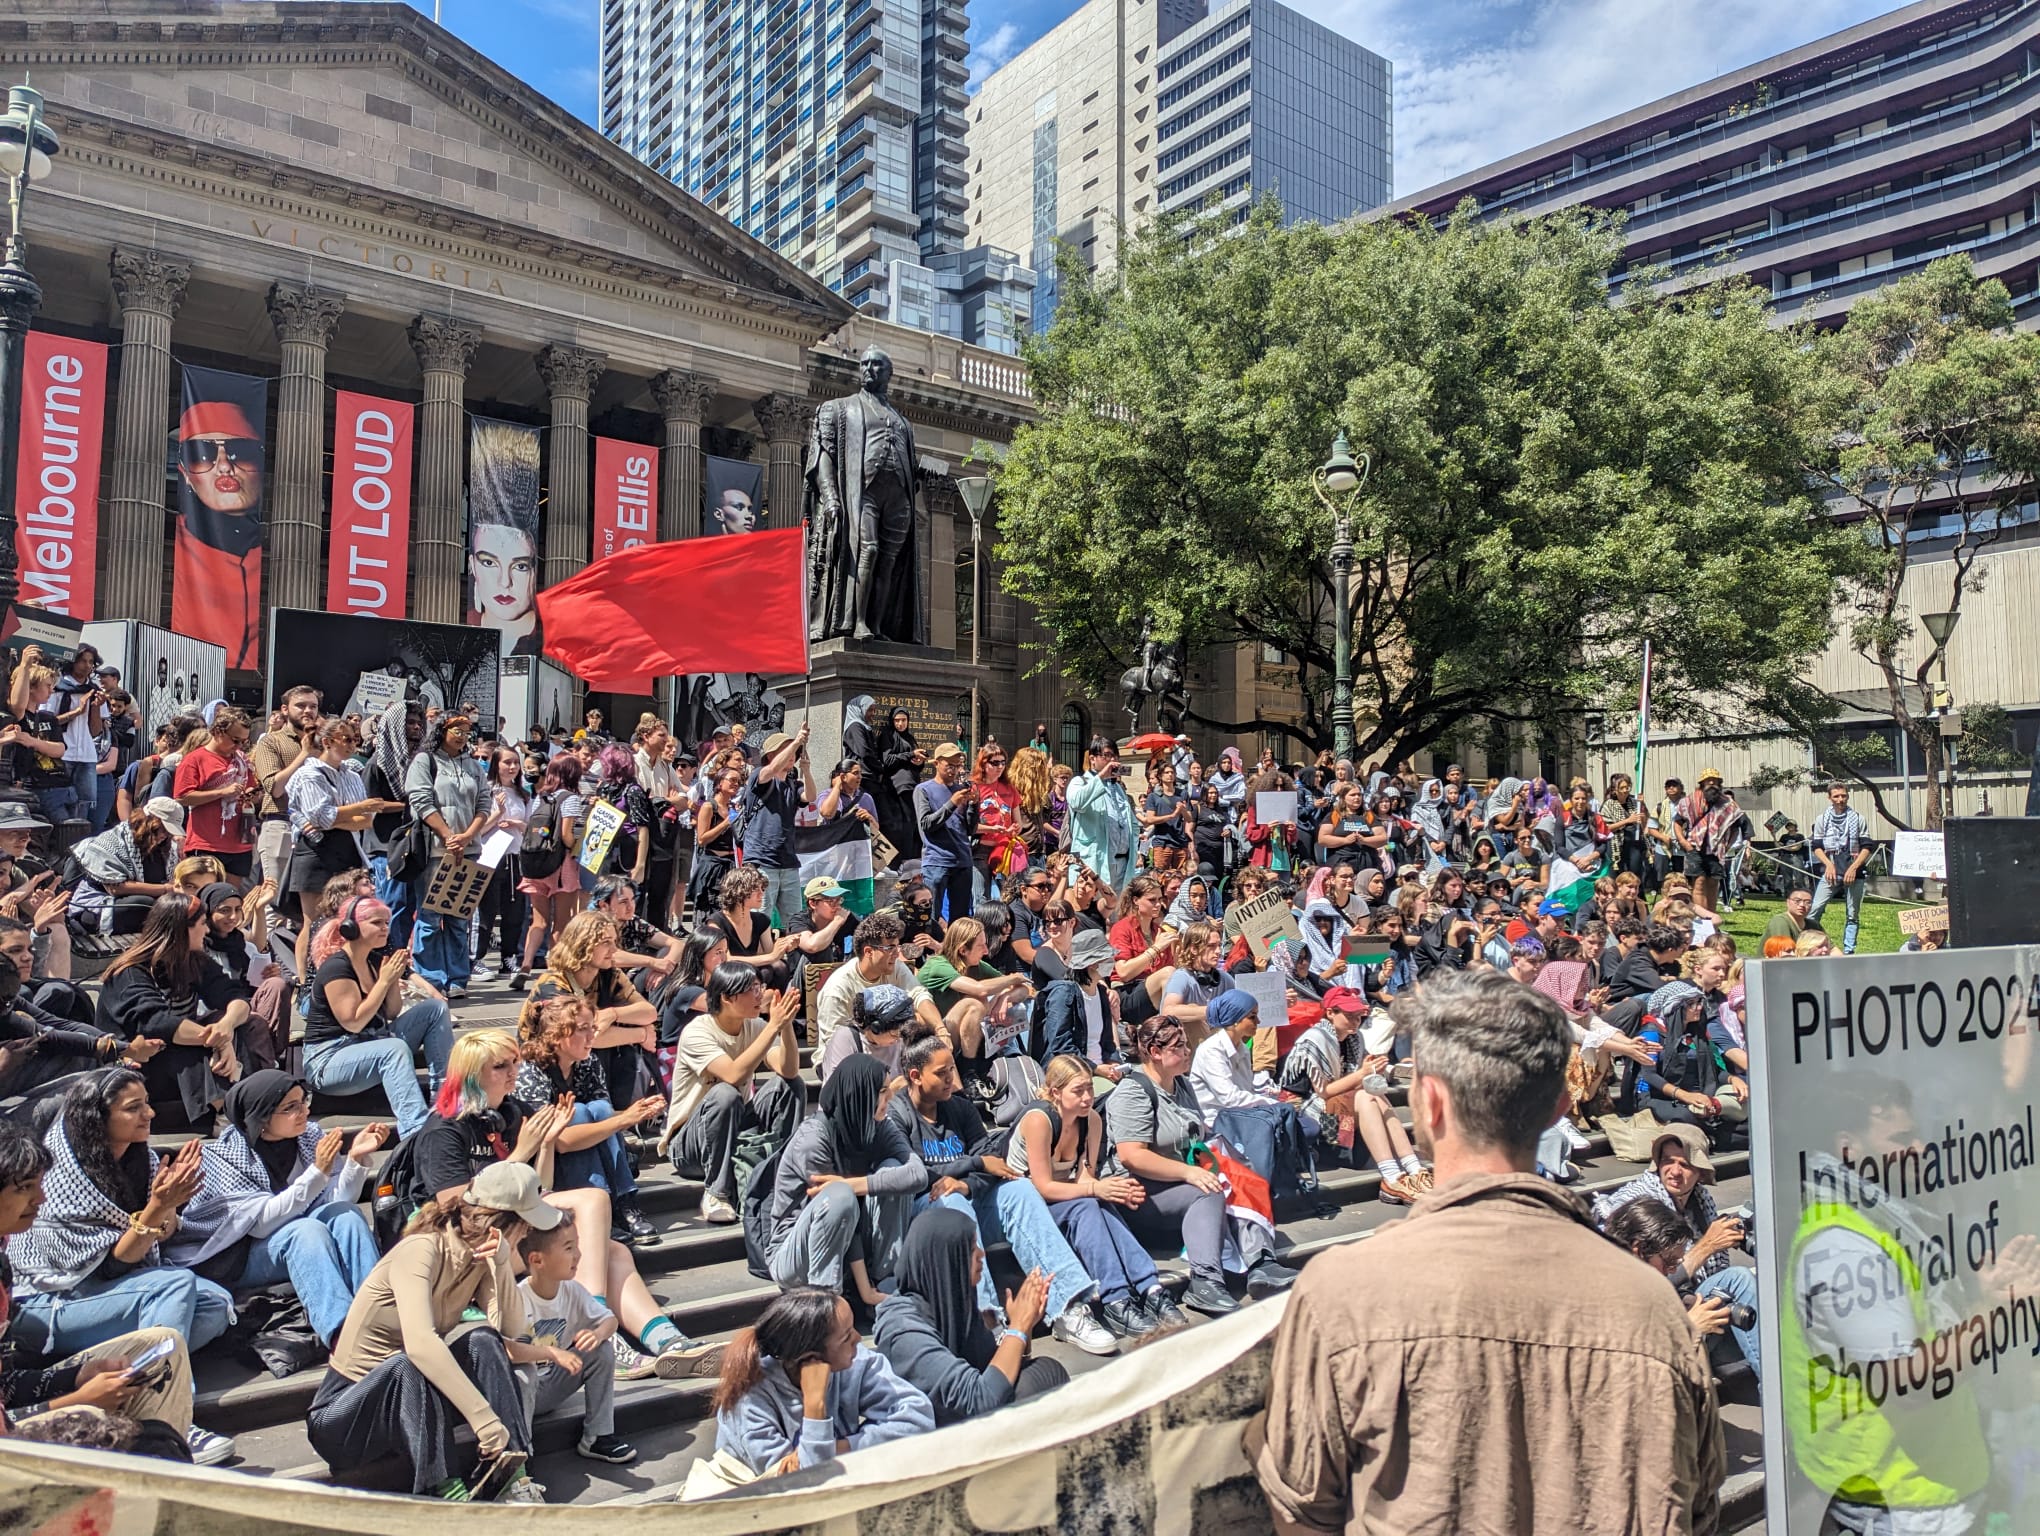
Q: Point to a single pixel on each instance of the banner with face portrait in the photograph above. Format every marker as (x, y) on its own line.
(731, 492)
(222, 485)
(503, 545)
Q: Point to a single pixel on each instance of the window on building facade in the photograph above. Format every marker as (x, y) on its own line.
(1075, 736)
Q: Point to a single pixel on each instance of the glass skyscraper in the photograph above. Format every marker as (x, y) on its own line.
(830, 129)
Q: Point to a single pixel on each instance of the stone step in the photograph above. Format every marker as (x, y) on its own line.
(713, 1293)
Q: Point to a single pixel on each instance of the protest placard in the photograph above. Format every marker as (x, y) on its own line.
(1263, 921)
(1275, 806)
(455, 887)
(1919, 856)
(597, 833)
(1918, 920)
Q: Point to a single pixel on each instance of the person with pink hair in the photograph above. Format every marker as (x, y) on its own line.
(357, 1030)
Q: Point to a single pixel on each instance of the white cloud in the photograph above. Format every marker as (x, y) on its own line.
(1478, 82)
(991, 52)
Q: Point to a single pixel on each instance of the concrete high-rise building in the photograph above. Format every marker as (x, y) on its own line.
(832, 130)
(1130, 108)
(1824, 174)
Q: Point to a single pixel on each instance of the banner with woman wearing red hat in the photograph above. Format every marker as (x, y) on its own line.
(216, 584)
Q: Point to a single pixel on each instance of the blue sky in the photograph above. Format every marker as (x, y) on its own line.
(1475, 79)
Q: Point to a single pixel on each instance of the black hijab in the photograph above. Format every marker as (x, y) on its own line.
(248, 1106)
(934, 1275)
(230, 949)
(850, 1105)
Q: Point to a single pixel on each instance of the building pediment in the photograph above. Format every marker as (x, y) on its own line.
(371, 108)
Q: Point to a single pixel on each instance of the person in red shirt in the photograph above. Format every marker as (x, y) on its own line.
(1000, 853)
(217, 786)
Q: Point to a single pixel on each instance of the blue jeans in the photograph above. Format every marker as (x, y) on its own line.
(106, 792)
(326, 1254)
(602, 1166)
(1740, 1287)
(58, 805)
(97, 1310)
(953, 891)
(1014, 1211)
(401, 899)
(444, 951)
(350, 1066)
(1852, 900)
(85, 788)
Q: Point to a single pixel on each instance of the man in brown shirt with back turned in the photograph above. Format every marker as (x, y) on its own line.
(1490, 1366)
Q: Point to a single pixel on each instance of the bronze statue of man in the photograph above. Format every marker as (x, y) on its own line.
(862, 474)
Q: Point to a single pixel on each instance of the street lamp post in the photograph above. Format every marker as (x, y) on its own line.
(976, 491)
(26, 144)
(1338, 482)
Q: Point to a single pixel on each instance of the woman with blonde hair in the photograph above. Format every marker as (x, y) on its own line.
(194, 874)
(1033, 776)
(1059, 1146)
(478, 1122)
(583, 964)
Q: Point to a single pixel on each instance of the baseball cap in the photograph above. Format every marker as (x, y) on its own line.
(1346, 1000)
(167, 811)
(1552, 909)
(1694, 1142)
(821, 885)
(513, 1187)
(1709, 773)
(948, 749)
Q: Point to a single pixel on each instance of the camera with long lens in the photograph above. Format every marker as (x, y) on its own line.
(1746, 1213)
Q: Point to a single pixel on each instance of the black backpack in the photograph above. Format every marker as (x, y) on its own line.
(755, 1207)
(543, 850)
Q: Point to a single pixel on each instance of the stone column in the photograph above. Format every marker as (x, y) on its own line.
(148, 285)
(948, 530)
(304, 318)
(784, 419)
(682, 397)
(445, 347)
(570, 376)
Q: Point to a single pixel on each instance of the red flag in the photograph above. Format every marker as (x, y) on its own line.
(63, 414)
(365, 572)
(695, 605)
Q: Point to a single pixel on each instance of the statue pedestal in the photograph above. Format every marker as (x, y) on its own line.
(934, 691)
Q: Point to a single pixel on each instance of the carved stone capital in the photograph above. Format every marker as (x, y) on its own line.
(939, 494)
(304, 313)
(149, 279)
(569, 372)
(682, 396)
(443, 344)
(784, 418)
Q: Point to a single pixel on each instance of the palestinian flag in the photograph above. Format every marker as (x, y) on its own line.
(841, 850)
(1568, 887)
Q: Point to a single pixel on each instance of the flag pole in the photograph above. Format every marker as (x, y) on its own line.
(1643, 719)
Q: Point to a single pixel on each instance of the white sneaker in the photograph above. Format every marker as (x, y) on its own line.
(1078, 1325)
(685, 1359)
(481, 972)
(1577, 1139)
(207, 1448)
(715, 1210)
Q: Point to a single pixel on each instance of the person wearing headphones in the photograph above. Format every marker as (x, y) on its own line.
(357, 1030)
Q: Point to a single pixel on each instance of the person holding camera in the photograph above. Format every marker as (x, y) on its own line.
(1680, 1168)
(1103, 834)
(1657, 1235)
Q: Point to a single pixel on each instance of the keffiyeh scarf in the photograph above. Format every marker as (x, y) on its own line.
(76, 1228)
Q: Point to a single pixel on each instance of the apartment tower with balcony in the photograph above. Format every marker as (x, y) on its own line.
(1823, 173)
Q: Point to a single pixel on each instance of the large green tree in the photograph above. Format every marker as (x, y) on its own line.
(1555, 477)
(1921, 430)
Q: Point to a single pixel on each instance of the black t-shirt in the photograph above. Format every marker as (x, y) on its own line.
(320, 1024)
(450, 1152)
(804, 922)
(768, 830)
(30, 768)
(1169, 833)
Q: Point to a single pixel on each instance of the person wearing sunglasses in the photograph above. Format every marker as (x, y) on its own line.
(216, 590)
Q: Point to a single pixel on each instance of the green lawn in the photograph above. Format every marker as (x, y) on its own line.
(1879, 934)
